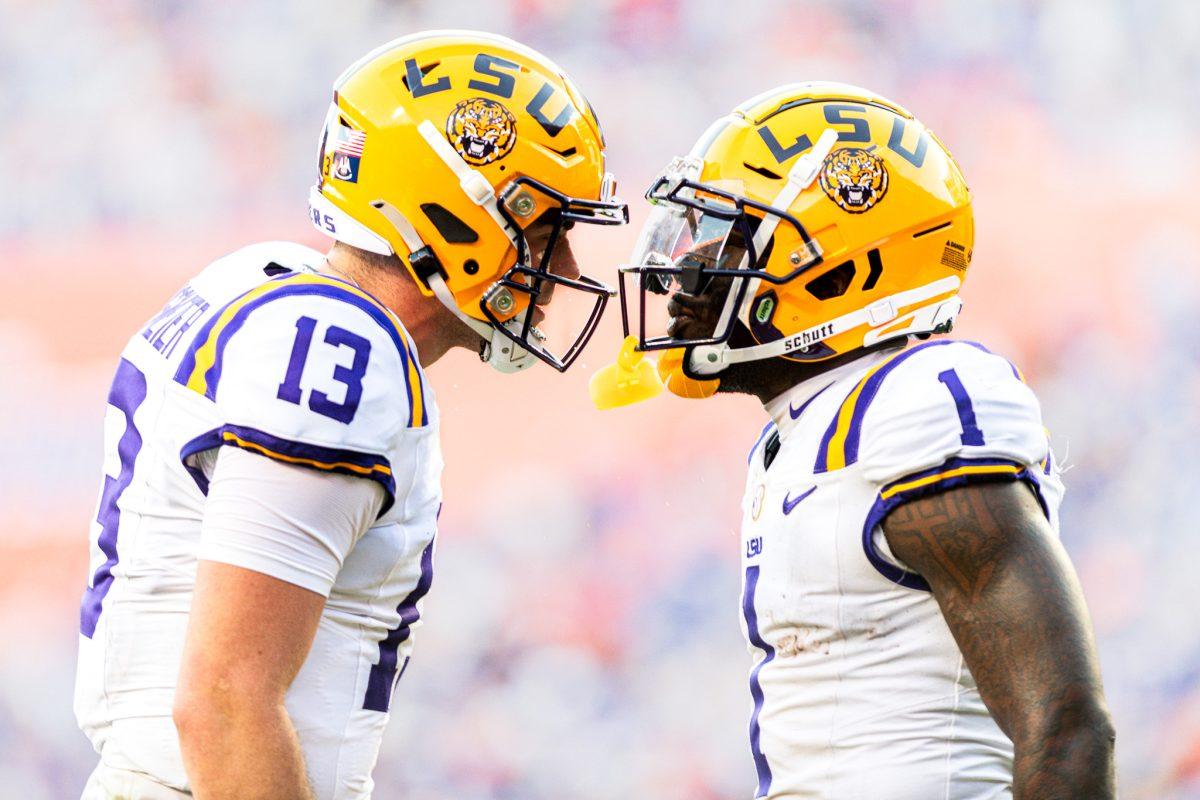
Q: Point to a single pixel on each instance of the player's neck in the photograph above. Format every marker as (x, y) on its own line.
(770, 379)
(432, 327)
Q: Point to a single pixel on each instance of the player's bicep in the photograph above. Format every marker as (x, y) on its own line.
(1010, 597)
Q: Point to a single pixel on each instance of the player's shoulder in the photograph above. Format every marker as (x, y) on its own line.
(931, 402)
(309, 369)
(238, 271)
(257, 257)
(908, 377)
(311, 341)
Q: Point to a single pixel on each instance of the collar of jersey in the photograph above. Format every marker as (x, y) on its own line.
(795, 400)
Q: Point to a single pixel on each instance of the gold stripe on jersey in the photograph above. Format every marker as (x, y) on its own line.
(971, 469)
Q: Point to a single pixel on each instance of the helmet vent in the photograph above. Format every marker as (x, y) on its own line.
(766, 173)
(452, 229)
(876, 265)
(934, 229)
(834, 283)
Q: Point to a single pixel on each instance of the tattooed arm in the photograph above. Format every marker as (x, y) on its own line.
(1013, 603)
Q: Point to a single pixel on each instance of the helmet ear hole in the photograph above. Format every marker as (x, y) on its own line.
(834, 283)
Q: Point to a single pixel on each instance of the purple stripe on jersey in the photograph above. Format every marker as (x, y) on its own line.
(881, 508)
(205, 441)
(761, 436)
(383, 673)
(127, 394)
(188, 363)
(756, 692)
(871, 389)
(329, 459)
(822, 464)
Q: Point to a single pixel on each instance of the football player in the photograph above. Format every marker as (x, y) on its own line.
(265, 531)
(917, 629)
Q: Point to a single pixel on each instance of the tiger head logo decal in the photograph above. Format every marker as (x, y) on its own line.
(854, 178)
(481, 130)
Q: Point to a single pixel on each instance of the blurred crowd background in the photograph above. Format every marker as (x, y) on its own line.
(582, 635)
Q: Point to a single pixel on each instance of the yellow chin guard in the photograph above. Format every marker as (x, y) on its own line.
(634, 378)
(630, 380)
(670, 369)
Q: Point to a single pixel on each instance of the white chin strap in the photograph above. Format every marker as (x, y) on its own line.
(501, 352)
(880, 316)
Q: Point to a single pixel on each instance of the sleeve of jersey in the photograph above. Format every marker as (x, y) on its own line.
(308, 378)
(288, 522)
(950, 416)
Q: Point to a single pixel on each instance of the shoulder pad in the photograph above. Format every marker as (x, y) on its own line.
(930, 403)
(310, 370)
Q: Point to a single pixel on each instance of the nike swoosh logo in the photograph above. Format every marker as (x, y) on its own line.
(796, 412)
(789, 504)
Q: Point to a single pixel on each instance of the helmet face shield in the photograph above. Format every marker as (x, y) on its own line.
(518, 300)
(698, 248)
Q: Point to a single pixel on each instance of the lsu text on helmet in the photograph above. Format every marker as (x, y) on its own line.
(831, 219)
(443, 148)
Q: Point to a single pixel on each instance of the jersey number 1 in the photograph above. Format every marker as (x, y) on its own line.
(971, 435)
(352, 376)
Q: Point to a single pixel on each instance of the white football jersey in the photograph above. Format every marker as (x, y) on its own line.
(260, 352)
(859, 690)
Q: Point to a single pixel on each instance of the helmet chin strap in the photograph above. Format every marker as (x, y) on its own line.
(501, 352)
(711, 359)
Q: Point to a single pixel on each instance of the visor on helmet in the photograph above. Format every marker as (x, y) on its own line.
(700, 240)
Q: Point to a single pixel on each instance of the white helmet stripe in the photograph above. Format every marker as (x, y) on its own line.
(474, 185)
(800, 177)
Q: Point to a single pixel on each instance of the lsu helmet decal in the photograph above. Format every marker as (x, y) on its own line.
(854, 178)
(447, 149)
(481, 130)
(820, 217)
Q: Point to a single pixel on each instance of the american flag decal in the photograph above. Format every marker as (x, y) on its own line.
(349, 141)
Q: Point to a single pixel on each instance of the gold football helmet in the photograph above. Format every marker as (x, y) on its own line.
(443, 148)
(831, 219)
